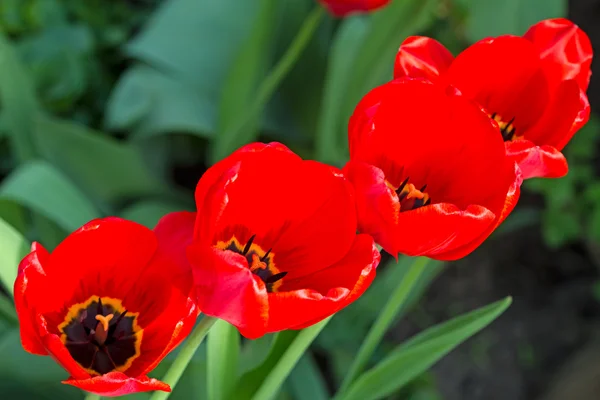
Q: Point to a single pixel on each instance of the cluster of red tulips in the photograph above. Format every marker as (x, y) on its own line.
(437, 157)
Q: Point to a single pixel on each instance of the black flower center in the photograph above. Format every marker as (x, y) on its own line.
(101, 335)
(260, 262)
(409, 196)
(507, 129)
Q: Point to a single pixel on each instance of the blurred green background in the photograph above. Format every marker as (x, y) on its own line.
(116, 107)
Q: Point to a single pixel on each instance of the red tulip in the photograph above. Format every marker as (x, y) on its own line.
(342, 8)
(429, 170)
(274, 241)
(106, 304)
(532, 86)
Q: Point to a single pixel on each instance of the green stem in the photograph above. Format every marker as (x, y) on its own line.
(270, 386)
(283, 66)
(92, 396)
(185, 356)
(384, 320)
(7, 310)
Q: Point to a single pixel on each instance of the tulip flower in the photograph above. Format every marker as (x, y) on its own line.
(429, 170)
(533, 87)
(274, 241)
(106, 304)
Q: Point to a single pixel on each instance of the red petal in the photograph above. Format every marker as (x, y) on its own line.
(342, 8)
(568, 111)
(302, 210)
(315, 297)
(440, 228)
(59, 352)
(537, 161)
(226, 289)
(565, 49)
(512, 197)
(377, 205)
(118, 384)
(215, 172)
(174, 233)
(505, 76)
(165, 334)
(422, 57)
(105, 256)
(418, 131)
(29, 290)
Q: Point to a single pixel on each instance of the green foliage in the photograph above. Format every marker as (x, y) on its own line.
(572, 209)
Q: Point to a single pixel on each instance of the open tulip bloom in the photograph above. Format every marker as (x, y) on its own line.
(274, 241)
(533, 86)
(106, 304)
(429, 170)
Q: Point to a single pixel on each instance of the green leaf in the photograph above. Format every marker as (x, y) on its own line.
(14, 248)
(149, 212)
(243, 78)
(44, 189)
(494, 18)
(306, 381)
(19, 104)
(418, 354)
(249, 382)
(58, 59)
(223, 351)
(340, 69)
(179, 42)
(101, 166)
(151, 102)
(26, 375)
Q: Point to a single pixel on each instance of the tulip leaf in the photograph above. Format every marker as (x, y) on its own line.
(44, 189)
(418, 354)
(151, 102)
(306, 381)
(149, 212)
(188, 66)
(223, 351)
(249, 382)
(15, 247)
(30, 376)
(100, 165)
(494, 18)
(19, 103)
(339, 73)
(242, 80)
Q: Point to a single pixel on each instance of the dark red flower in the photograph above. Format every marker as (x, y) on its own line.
(532, 86)
(429, 170)
(106, 304)
(275, 244)
(342, 8)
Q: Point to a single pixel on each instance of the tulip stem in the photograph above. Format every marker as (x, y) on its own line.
(272, 383)
(92, 396)
(272, 81)
(185, 355)
(386, 317)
